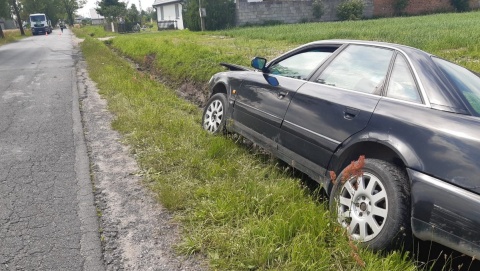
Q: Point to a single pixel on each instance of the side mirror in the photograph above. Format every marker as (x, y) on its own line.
(259, 63)
(271, 80)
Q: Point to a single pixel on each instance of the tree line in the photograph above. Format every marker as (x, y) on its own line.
(56, 10)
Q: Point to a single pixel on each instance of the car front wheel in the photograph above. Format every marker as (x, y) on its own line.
(213, 119)
(374, 207)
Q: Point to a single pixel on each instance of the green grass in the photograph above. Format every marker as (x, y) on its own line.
(95, 31)
(240, 208)
(184, 56)
(13, 35)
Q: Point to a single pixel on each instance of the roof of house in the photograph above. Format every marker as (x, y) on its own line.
(94, 14)
(165, 2)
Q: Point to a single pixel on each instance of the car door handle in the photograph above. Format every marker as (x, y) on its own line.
(350, 113)
(281, 94)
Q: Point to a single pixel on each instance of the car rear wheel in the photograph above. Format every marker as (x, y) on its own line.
(213, 119)
(374, 207)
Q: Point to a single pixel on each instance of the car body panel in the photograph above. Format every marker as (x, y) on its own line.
(321, 117)
(445, 213)
(259, 104)
(428, 145)
(316, 128)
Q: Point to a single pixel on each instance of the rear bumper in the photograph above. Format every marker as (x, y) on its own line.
(446, 214)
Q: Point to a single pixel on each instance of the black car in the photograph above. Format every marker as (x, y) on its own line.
(414, 116)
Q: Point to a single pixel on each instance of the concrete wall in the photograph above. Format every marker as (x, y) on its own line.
(288, 11)
(384, 8)
(294, 11)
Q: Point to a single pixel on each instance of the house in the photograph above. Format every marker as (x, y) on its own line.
(97, 19)
(8, 24)
(169, 14)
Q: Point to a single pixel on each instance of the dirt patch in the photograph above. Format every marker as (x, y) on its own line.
(196, 93)
(137, 231)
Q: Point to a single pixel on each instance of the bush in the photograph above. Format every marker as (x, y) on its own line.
(318, 9)
(220, 14)
(461, 5)
(350, 10)
(399, 6)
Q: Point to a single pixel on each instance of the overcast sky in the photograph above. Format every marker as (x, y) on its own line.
(85, 11)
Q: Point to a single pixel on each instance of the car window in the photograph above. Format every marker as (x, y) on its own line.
(464, 80)
(360, 68)
(402, 84)
(301, 65)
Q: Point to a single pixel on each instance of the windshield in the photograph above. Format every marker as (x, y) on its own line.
(464, 80)
(36, 18)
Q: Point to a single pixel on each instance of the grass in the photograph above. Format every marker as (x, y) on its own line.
(92, 31)
(13, 35)
(240, 208)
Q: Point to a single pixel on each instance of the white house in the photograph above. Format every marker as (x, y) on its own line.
(169, 14)
(97, 19)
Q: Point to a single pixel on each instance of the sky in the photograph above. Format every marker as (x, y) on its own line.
(85, 11)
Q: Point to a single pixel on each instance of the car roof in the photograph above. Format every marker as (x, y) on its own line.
(375, 43)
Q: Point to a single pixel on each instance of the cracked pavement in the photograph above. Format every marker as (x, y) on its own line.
(47, 216)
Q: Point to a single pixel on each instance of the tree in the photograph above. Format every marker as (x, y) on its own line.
(220, 14)
(150, 14)
(4, 13)
(111, 9)
(54, 9)
(70, 7)
(17, 14)
(133, 15)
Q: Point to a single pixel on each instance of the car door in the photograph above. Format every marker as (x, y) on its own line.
(335, 104)
(261, 103)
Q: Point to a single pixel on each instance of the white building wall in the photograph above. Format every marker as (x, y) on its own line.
(169, 14)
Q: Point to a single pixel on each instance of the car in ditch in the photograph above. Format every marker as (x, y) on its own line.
(414, 117)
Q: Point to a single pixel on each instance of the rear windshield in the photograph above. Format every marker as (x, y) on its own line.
(36, 18)
(467, 82)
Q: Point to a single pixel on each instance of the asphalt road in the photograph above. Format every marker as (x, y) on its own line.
(47, 215)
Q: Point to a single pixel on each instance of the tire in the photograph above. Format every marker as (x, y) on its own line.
(214, 114)
(374, 208)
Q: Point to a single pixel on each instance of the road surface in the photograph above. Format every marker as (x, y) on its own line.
(47, 216)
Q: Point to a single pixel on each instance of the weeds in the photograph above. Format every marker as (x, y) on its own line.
(12, 35)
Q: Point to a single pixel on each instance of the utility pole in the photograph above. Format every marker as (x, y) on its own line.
(202, 15)
(140, 10)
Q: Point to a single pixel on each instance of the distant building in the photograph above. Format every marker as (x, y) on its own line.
(78, 20)
(8, 24)
(97, 19)
(169, 14)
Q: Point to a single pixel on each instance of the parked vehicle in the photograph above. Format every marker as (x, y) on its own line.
(40, 24)
(414, 116)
